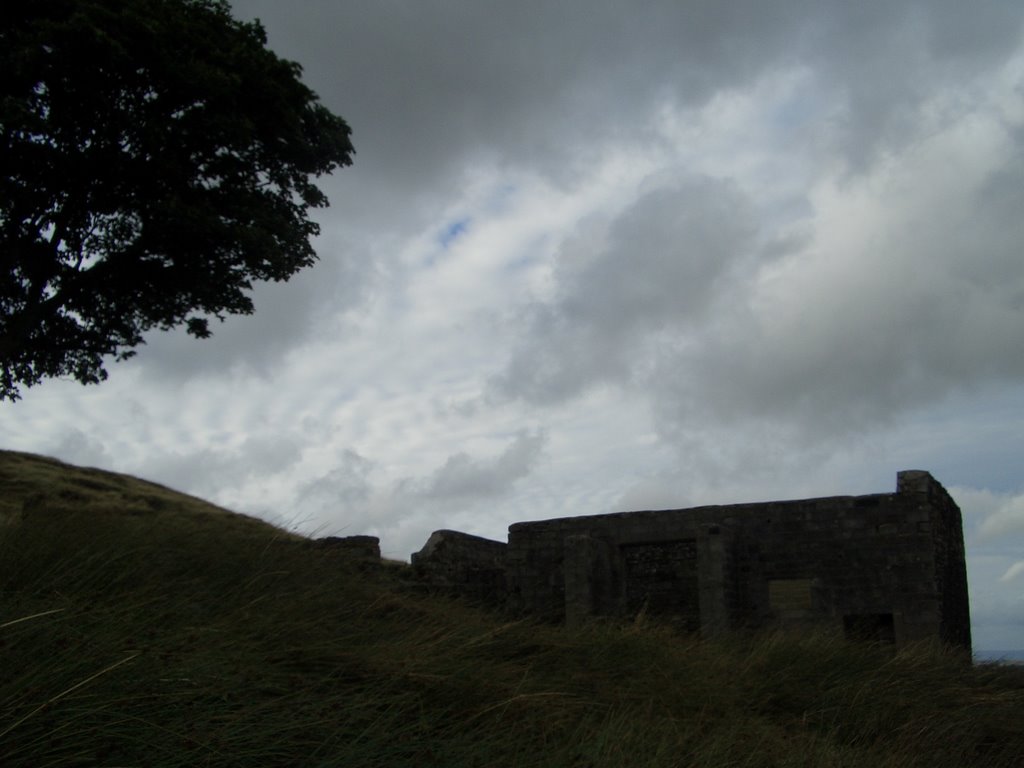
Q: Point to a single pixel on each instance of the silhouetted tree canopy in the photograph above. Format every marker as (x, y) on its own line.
(157, 159)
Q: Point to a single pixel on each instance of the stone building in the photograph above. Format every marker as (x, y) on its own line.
(887, 567)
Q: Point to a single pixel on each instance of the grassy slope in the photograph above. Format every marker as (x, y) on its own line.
(142, 627)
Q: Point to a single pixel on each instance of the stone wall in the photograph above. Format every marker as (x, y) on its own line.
(463, 565)
(946, 527)
(361, 548)
(885, 567)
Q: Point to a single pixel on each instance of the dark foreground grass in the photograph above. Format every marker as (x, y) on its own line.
(170, 633)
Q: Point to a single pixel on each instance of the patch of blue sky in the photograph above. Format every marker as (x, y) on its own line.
(453, 231)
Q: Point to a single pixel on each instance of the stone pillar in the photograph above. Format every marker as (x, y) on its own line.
(585, 564)
(715, 587)
(914, 481)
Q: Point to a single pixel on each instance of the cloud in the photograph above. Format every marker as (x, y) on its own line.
(548, 94)
(903, 288)
(1013, 571)
(429, 87)
(338, 495)
(76, 447)
(997, 603)
(994, 538)
(821, 311)
(345, 483)
(355, 496)
(658, 266)
(217, 473)
(286, 316)
(462, 476)
(880, 311)
(1007, 519)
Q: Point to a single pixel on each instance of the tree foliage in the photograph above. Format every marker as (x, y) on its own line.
(157, 160)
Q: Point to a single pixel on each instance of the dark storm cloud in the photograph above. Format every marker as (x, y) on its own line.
(426, 84)
(430, 86)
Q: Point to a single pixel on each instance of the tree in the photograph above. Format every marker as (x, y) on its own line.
(157, 160)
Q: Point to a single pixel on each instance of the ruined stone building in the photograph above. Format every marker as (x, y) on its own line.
(887, 567)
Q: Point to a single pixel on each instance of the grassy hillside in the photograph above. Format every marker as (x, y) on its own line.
(140, 627)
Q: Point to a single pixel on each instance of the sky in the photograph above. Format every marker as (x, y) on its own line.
(591, 259)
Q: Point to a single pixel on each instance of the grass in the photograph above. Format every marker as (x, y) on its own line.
(140, 627)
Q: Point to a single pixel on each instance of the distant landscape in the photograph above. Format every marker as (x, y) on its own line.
(143, 627)
(1008, 657)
